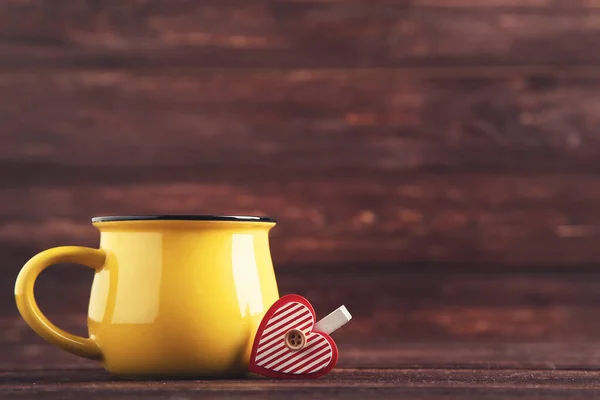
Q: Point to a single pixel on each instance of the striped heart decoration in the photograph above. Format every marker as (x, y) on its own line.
(287, 346)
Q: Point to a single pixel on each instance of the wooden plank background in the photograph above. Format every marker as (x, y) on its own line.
(443, 155)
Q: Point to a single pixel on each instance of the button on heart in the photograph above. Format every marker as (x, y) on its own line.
(280, 350)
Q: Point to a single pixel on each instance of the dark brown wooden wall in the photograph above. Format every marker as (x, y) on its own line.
(388, 138)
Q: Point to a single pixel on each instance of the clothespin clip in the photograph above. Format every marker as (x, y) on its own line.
(290, 344)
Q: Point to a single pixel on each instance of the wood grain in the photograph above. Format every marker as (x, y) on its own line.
(347, 383)
(388, 306)
(299, 122)
(475, 219)
(536, 5)
(359, 166)
(39, 357)
(288, 34)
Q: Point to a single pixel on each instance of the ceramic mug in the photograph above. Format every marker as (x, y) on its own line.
(172, 296)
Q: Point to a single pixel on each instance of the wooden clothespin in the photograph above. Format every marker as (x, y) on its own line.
(290, 344)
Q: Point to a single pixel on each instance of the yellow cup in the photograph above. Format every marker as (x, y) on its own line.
(173, 296)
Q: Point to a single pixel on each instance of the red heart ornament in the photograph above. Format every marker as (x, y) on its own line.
(271, 357)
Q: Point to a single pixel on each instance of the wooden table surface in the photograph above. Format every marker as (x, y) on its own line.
(416, 371)
(423, 335)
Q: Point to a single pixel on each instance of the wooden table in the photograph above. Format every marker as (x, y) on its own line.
(412, 370)
(417, 333)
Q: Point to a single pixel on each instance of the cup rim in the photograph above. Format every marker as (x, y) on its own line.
(176, 217)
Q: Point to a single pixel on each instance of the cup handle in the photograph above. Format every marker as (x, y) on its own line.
(25, 299)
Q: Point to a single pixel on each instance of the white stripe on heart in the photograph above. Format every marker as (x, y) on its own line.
(317, 346)
(269, 348)
(315, 365)
(283, 326)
